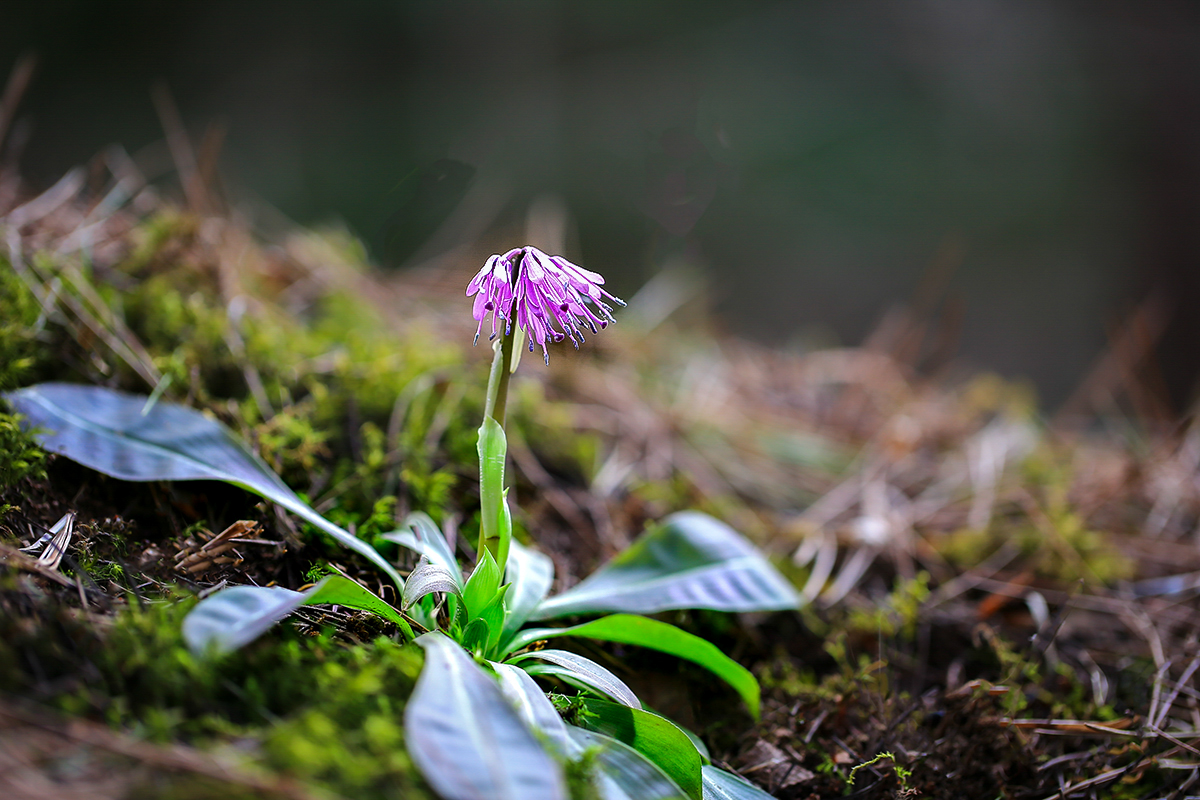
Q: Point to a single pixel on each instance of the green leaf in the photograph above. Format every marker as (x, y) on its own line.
(476, 635)
(494, 518)
(581, 670)
(421, 535)
(427, 578)
(233, 617)
(482, 586)
(124, 436)
(691, 561)
(457, 612)
(530, 575)
(493, 615)
(466, 739)
(644, 632)
(623, 773)
(722, 785)
(656, 738)
(534, 708)
(340, 591)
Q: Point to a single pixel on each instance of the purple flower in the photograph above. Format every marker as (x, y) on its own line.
(548, 291)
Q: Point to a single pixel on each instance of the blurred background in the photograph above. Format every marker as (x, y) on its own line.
(1027, 173)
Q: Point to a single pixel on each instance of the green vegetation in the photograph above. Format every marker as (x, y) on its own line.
(371, 413)
(20, 456)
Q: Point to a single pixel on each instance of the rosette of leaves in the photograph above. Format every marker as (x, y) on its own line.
(478, 725)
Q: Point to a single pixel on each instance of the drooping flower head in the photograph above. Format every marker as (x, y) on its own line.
(551, 298)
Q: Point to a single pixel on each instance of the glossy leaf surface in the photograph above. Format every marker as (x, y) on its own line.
(426, 578)
(127, 437)
(421, 535)
(656, 738)
(645, 632)
(583, 670)
(535, 709)
(481, 587)
(692, 560)
(467, 739)
(722, 785)
(622, 772)
(233, 617)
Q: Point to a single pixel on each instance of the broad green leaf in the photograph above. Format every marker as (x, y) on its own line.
(690, 561)
(582, 670)
(530, 574)
(476, 635)
(535, 709)
(457, 612)
(125, 436)
(493, 451)
(482, 586)
(623, 773)
(493, 615)
(467, 740)
(655, 737)
(340, 591)
(233, 617)
(661, 636)
(421, 535)
(426, 578)
(700, 746)
(722, 785)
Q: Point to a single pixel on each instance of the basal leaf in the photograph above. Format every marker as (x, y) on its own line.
(493, 615)
(690, 561)
(661, 636)
(421, 535)
(467, 740)
(656, 738)
(125, 436)
(482, 586)
(530, 574)
(337, 590)
(623, 773)
(233, 617)
(426, 578)
(722, 785)
(583, 670)
(535, 709)
(476, 635)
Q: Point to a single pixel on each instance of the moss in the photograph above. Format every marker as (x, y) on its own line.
(307, 706)
(351, 738)
(20, 456)
(581, 776)
(100, 550)
(897, 614)
(20, 352)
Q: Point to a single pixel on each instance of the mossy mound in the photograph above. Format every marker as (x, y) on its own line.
(980, 580)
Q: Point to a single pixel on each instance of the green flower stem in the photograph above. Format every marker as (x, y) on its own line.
(497, 392)
(495, 529)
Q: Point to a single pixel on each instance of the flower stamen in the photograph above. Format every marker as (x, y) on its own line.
(548, 297)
